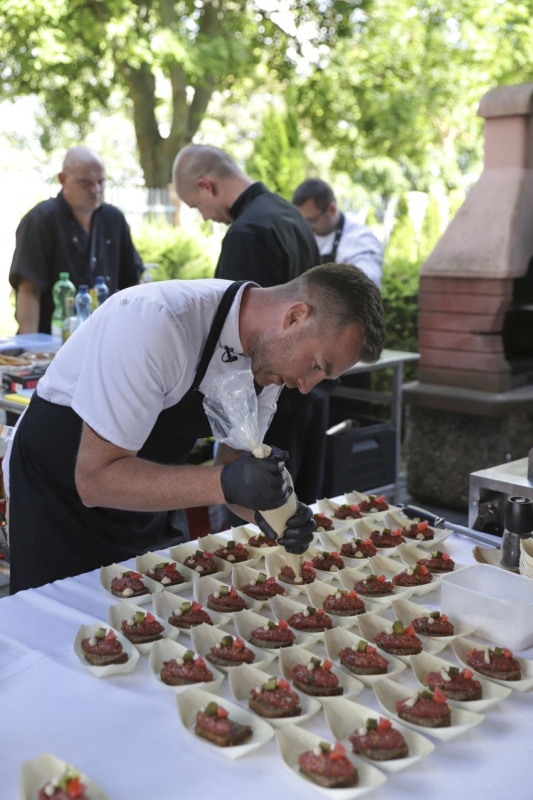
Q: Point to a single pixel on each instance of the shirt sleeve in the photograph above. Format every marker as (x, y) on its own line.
(131, 265)
(244, 256)
(34, 253)
(135, 354)
(363, 250)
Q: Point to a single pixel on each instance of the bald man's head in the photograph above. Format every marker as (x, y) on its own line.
(82, 178)
(207, 178)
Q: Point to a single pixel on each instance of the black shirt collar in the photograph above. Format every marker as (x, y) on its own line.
(246, 197)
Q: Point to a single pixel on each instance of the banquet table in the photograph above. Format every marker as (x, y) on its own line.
(125, 733)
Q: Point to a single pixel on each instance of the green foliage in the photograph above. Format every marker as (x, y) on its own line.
(178, 254)
(277, 157)
(432, 228)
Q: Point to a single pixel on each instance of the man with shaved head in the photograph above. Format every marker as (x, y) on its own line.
(75, 232)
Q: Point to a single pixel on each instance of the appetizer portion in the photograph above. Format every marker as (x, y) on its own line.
(348, 511)
(234, 552)
(275, 699)
(413, 576)
(374, 504)
(202, 563)
(166, 573)
(438, 562)
(260, 540)
(312, 620)
(185, 670)
(387, 538)
(323, 523)
(142, 627)
(344, 603)
(67, 787)
(328, 766)
(272, 635)
(364, 661)
(497, 662)
(455, 683)
(435, 624)
(226, 600)
(399, 640)
(374, 586)
(359, 548)
(128, 584)
(419, 529)
(213, 723)
(307, 574)
(189, 615)
(329, 562)
(316, 678)
(103, 648)
(262, 588)
(379, 740)
(427, 709)
(230, 653)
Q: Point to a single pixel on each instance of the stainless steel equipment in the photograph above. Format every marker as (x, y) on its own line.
(490, 490)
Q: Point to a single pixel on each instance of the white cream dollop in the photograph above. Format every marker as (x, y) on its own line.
(166, 580)
(306, 613)
(199, 568)
(92, 641)
(298, 579)
(128, 592)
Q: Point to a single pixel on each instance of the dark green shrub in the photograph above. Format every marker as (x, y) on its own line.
(178, 254)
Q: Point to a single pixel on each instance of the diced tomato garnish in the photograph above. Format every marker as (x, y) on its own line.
(423, 525)
(444, 617)
(367, 541)
(110, 636)
(352, 594)
(423, 569)
(238, 546)
(271, 580)
(320, 611)
(238, 643)
(283, 684)
(335, 554)
(397, 532)
(221, 712)
(338, 752)
(370, 648)
(409, 631)
(439, 695)
(169, 568)
(200, 662)
(207, 555)
(149, 617)
(232, 591)
(384, 724)
(307, 565)
(445, 556)
(196, 606)
(135, 574)
(75, 788)
(380, 499)
(283, 624)
(326, 664)
(507, 653)
(381, 578)
(467, 674)
(353, 507)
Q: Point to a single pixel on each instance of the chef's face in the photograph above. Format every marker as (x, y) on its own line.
(321, 220)
(83, 186)
(303, 355)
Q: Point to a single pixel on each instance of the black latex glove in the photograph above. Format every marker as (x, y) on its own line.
(298, 534)
(256, 483)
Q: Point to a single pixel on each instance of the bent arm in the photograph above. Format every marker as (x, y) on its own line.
(111, 477)
(28, 306)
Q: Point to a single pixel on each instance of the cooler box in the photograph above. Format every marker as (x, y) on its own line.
(359, 455)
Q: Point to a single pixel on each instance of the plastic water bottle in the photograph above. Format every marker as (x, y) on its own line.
(101, 289)
(84, 304)
(62, 291)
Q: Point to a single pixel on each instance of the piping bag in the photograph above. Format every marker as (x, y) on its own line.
(232, 411)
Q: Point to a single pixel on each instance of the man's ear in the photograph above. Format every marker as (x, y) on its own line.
(62, 178)
(296, 314)
(207, 184)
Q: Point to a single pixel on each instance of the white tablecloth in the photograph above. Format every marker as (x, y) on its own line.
(125, 732)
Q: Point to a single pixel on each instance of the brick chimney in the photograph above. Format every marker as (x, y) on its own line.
(468, 281)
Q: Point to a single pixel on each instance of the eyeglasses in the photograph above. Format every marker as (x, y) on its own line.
(312, 220)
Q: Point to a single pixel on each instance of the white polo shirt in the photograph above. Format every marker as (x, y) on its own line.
(137, 354)
(358, 245)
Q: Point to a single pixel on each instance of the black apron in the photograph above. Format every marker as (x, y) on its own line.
(329, 258)
(52, 534)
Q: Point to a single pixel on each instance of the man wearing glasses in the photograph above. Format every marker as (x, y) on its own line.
(340, 238)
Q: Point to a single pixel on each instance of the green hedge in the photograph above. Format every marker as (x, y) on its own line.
(178, 254)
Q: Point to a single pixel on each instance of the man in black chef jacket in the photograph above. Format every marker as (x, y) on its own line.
(75, 232)
(269, 242)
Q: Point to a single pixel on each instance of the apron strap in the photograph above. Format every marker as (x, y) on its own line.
(216, 329)
(328, 258)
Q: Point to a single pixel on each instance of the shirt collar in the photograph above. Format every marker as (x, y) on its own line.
(229, 337)
(246, 197)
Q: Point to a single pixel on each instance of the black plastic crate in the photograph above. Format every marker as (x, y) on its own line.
(360, 456)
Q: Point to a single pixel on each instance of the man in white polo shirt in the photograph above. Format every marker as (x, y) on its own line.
(100, 453)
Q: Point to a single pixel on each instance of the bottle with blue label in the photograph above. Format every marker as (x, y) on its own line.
(84, 304)
(101, 289)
